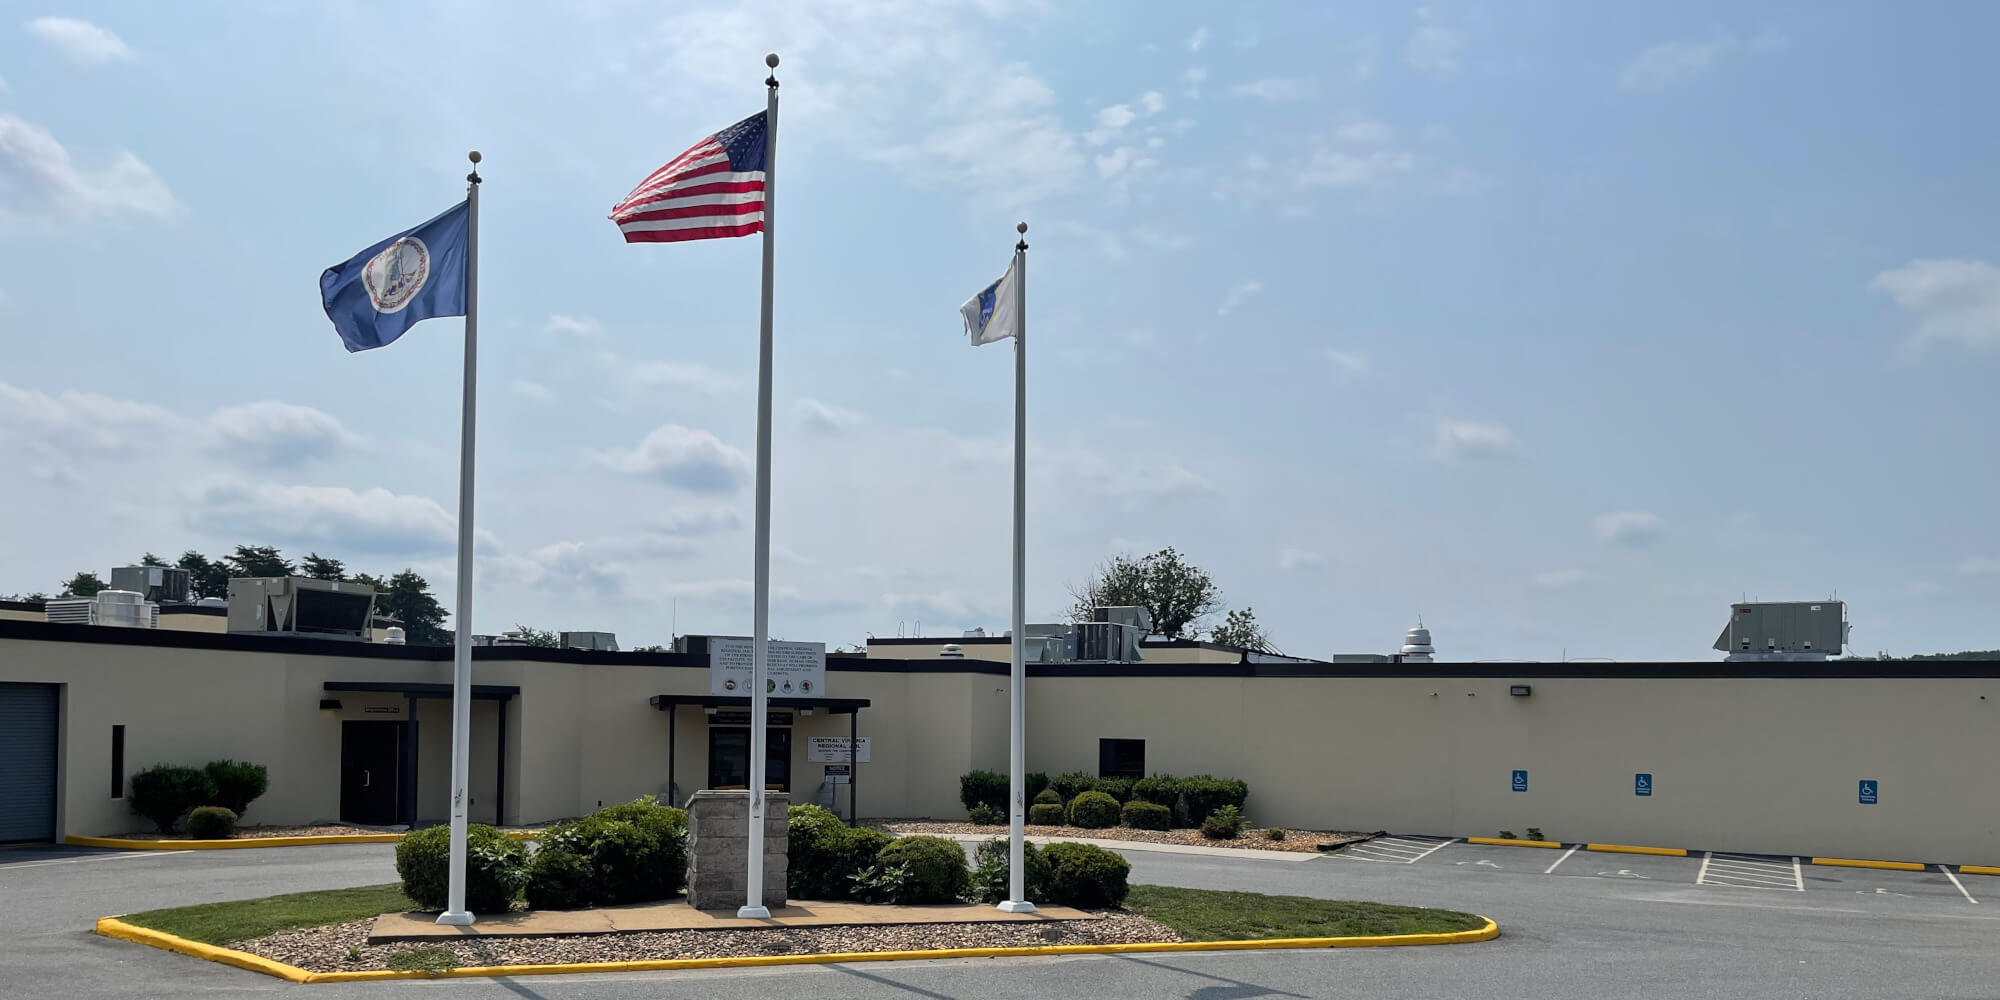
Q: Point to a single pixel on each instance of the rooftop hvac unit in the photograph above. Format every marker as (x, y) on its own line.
(1056, 643)
(602, 641)
(1130, 617)
(297, 605)
(1109, 641)
(116, 608)
(159, 584)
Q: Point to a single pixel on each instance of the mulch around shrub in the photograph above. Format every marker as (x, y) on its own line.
(1296, 841)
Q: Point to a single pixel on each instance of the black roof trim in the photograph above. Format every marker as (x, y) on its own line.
(833, 706)
(480, 692)
(305, 646)
(22, 606)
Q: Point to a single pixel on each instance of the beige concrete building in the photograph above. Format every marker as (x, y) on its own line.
(1882, 759)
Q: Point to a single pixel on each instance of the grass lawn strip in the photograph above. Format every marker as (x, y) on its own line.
(1254, 838)
(1207, 915)
(224, 923)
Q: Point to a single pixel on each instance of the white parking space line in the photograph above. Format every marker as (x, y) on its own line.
(45, 862)
(1392, 850)
(1552, 868)
(1434, 850)
(1750, 873)
(1961, 886)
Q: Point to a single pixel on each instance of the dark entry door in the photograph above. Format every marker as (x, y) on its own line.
(729, 757)
(28, 761)
(371, 768)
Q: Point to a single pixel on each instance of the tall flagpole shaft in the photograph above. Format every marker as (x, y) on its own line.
(1017, 688)
(461, 659)
(760, 612)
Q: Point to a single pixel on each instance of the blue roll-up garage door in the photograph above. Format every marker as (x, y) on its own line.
(27, 762)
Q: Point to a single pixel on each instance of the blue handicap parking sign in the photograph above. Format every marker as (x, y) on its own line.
(1867, 791)
(1520, 781)
(1642, 784)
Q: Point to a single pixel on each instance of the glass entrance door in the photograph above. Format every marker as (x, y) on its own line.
(729, 757)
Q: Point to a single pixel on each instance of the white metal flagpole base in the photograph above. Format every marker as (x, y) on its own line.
(456, 918)
(752, 913)
(1015, 906)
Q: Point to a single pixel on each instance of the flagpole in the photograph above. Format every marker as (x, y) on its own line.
(461, 661)
(1017, 876)
(760, 611)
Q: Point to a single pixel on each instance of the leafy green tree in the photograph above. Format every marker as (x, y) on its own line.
(84, 584)
(321, 568)
(1178, 593)
(537, 637)
(408, 598)
(150, 559)
(205, 578)
(257, 560)
(1240, 629)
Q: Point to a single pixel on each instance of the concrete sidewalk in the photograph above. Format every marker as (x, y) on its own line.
(1251, 853)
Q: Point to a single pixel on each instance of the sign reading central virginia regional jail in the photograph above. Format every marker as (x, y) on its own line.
(831, 749)
(793, 669)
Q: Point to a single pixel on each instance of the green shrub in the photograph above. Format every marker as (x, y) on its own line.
(988, 788)
(645, 810)
(1535, 833)
(1046, 814)
(1073, 784)
(1147, 816)
(1159, 789)
(211, 823)
(237, 784)
(937, 869)
(164, 794)
(1093, 811)
(1047, 797)
(1085, 876)
(1117, 788)
(1038, 782)
(1203, 794)
(636, 852)
(825, 854)
(1223, 824)
(985, 815)
(881, 884)
(1275, 833)
(558, 879)
(991, 876)
(495, 868)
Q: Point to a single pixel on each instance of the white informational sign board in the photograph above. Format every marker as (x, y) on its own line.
(793, 670)
(833, 750)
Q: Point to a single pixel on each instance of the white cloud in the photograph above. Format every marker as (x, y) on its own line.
(1331, 167)
(1116, 116)
(1193, 79)
(277, 434)
(1115, 162)
(575, 326)
(1980, 566)
(679, 376)
(36, 172)
(1105, 243)
(1671, 64)
(1197, 40)
(4, 89)
(1238, 294)
(1953, 299)
(1463, 440)
(1433, 48)
(1346, 363)
(84, 43)
(1289, 558)
(1628, 527)
(696, 522)
(86, 423)
(529, 389)
(1559, 578)
(1276, 88)
(693, 460)
(1366, 51)
(824, 418)
(369, 521)
(1152, 102)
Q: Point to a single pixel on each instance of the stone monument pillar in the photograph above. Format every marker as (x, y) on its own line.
(719, 844)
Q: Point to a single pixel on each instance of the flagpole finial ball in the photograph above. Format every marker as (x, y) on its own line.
(473, 156)
(1022, 229)
(771, 60)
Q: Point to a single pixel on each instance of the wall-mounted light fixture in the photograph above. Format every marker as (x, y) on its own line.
(1520, 690)
(329, 704)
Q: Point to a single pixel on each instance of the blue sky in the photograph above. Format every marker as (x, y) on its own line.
(1563, 327)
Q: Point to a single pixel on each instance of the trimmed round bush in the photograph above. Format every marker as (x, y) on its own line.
(558, 879)
(495, 868)
(1203, 794)
(1223, 824)
(991, 876)
(988, 788)
(1159, 789)
(164, 794)
(1147, 816)
(984, 815)
(1046, 814)
(1085, 876)
(1038, 782)
(1093, 811)
(1047, 797)
(237, 784)
(636, 851)
(211, 823)
(937, 869)
(1275, 833)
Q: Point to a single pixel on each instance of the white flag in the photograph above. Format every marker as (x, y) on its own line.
(991, 315)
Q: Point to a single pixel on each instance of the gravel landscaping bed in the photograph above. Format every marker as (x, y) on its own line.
(323, 830)
(1300, 841)
(345, 947)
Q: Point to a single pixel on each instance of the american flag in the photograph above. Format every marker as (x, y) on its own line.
(713, 190)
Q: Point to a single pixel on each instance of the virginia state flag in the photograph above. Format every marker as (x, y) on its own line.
(410, 277)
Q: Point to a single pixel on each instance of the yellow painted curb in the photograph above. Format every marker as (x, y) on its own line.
(1670, 852)
(1894, 866)
(237, 843)
(1504, 842)
(115, 928)
(1978, 870)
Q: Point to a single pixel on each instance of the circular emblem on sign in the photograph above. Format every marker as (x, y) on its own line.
(806, 686)
(395, 276)
(729, 685)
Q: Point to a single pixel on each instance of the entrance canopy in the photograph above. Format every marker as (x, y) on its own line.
(832, 706)
(480, 692)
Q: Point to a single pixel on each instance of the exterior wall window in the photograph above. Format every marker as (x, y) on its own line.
(1121, 758)
(117, 762)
